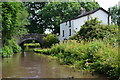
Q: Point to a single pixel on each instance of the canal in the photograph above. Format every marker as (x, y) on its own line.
(32, 65)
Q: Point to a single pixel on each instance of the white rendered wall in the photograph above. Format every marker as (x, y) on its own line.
(66, 28)
(101, 15)
(77, 23)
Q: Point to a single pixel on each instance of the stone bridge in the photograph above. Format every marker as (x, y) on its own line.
(32, 36)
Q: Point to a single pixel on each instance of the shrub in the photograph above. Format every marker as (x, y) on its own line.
(94, 29)
(93, 55)
(13, 44)
(6, 51)
(50, 39)
(9, 48)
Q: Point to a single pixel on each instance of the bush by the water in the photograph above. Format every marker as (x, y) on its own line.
(6, 51)
(94, 56)
(50, 39)
(9, 48)
(13, 44)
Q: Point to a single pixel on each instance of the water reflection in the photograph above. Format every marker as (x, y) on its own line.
(31, 65)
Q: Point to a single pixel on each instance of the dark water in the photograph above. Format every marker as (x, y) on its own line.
(32, 65)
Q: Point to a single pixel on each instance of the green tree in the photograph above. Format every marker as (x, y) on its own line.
(34, 19)
(89, 5)
(115, 14)
(54, 13)
(14, 19)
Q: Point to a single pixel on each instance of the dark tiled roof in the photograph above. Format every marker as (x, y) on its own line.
(88, 13)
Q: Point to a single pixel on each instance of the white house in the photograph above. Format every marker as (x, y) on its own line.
(70, 27)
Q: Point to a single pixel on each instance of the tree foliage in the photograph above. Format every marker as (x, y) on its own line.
(115, 14)
(56, 12)
(43, 15)
(14, 19)
(34, 19)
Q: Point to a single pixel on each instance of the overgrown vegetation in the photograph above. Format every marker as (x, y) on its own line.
(50, 39)
(10, 47)
(93, 29)
(14, 19)
(32, 44)
(95, 56)
(94, 48)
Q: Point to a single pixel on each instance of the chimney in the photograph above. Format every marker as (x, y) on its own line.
(82, 11)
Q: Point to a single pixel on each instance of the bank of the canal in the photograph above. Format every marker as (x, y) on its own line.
(32, 65)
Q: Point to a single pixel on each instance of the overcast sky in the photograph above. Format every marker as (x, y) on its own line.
(107, 3)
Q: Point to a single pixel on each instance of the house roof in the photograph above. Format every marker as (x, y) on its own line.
(88, 13)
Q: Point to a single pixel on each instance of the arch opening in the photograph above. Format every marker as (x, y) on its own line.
(24, 43)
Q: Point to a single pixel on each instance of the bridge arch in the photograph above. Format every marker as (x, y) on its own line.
(32, 36)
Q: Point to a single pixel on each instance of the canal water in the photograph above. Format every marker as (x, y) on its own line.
(32, 65)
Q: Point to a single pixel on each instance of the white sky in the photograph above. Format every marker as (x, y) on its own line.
(107, 3)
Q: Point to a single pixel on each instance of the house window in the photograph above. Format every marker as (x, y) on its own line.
(63, 34)
(69, 23)
(69, 32)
